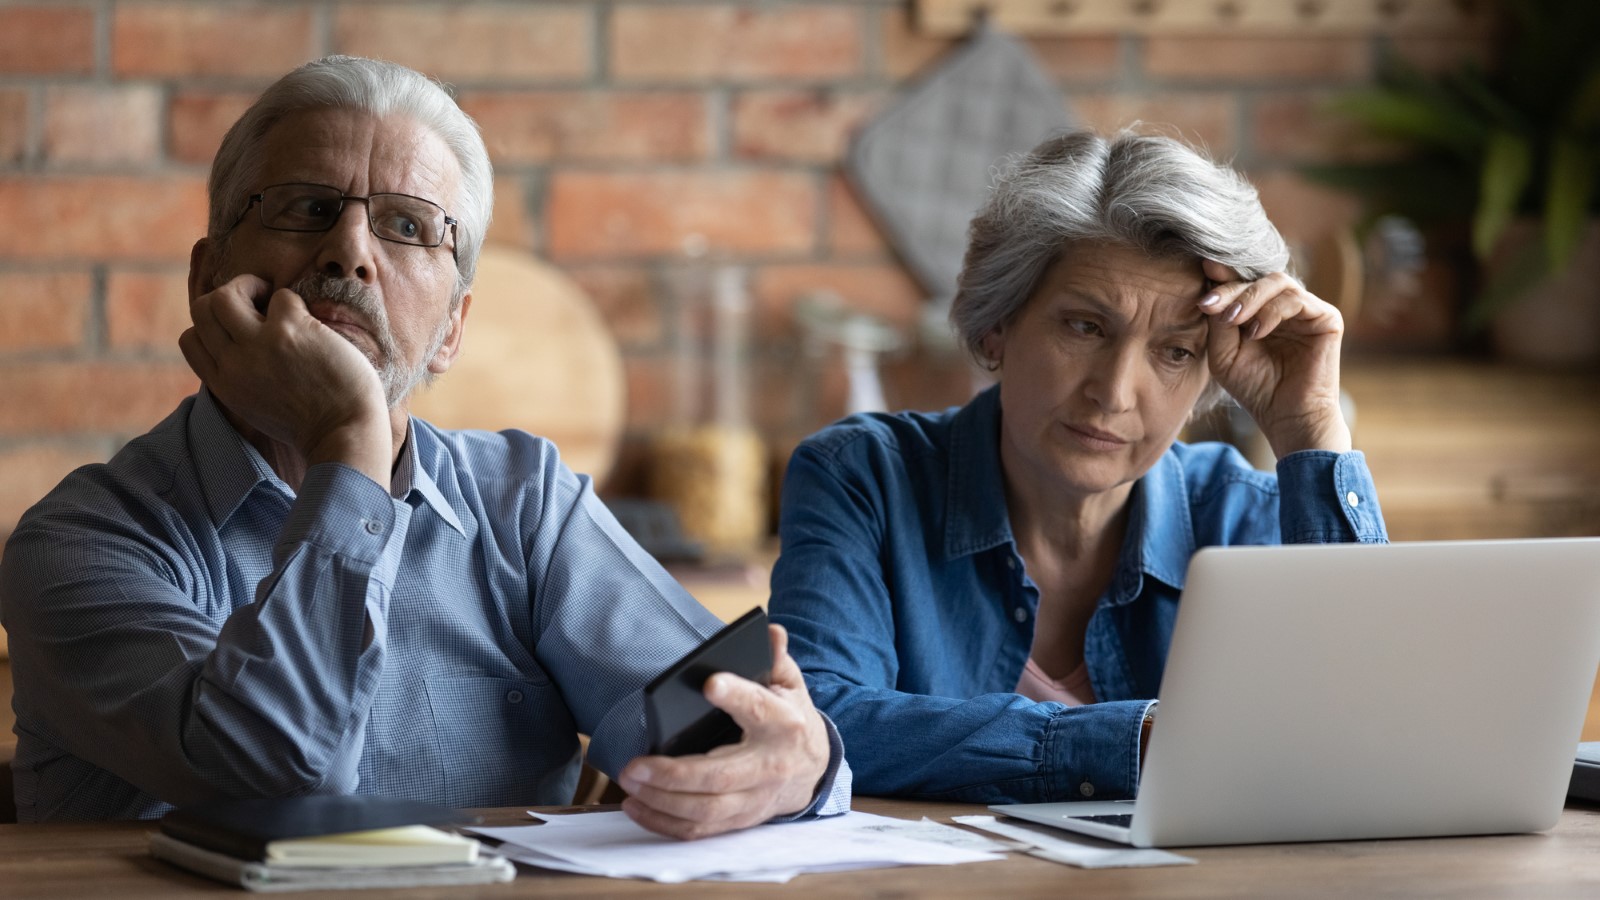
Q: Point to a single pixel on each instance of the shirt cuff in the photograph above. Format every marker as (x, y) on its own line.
(345, 513)
(833, 791)
(1328, 497)
(1093, 751)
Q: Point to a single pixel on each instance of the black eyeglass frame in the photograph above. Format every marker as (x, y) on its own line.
(257, 200)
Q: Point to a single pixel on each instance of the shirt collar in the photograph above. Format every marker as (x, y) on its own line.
(975, 507)
(230, 468)
(1160, 536)
(411, 477)
(227, 466)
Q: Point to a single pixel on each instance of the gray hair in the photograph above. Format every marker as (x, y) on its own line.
(373, 86)
(1149, 192)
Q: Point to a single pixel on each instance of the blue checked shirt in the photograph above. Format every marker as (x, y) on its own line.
(911, 612)
(184, 628)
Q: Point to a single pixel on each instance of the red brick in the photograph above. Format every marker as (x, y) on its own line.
(546, 126)
(732, 43)
(1445, 53)
(39, 40)
(147, 310)
(13, 125)
(102, 125)
(43, 310)
(472, 41)
(803, 126)
(906, 51)
(884, 291)
(1079, 58)
(1303, 211)
(105, 218)
(513, 224)
(28, 472)
(68, 397)
(1204, 118)
(1299, 127)
(851, 229)
(209, 39)
(1219, 58)
(627, 299)
(197, 120)
(623, 214)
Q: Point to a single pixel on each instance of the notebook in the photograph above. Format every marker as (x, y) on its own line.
(1354, 691)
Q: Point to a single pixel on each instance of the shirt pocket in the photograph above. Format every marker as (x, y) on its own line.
(503, 742)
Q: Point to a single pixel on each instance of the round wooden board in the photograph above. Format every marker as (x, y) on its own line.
(536, 356)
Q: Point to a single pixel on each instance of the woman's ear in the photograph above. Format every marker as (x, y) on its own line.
(994, 348)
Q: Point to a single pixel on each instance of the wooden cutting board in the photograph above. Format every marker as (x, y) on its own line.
(536, 356)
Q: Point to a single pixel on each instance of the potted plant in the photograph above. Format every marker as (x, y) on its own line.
(1515, 151)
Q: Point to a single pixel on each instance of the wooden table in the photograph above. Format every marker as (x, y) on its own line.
(109, 860)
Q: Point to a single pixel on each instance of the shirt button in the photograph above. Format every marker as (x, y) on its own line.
(1352, 499)
(373, 526)
(1086, 789)
(1020, 614)
(513, 696)
(1011, 563)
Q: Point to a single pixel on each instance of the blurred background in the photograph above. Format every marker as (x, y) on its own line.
(700, 253)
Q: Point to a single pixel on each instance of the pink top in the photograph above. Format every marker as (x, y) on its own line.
(1073, 690)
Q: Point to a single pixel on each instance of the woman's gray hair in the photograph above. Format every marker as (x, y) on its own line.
(373, 86)
(1149, 192)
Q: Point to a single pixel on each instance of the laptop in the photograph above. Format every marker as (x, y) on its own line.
(1352, 691)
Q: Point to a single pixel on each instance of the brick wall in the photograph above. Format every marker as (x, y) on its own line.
(619, 129)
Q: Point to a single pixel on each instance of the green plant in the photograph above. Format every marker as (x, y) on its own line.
(1522, 139)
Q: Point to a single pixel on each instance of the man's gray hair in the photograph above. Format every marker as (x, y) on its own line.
(373, 86)
(1148, 192)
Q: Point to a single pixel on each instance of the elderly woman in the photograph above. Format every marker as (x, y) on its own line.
(982, 599)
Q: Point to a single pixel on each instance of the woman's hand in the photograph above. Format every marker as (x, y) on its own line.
(1274, 346)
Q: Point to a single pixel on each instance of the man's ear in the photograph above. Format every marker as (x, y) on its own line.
(202, 268)
(451, 348)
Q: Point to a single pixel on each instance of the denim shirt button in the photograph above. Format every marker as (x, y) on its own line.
(1011, 563)
(1086, 789)
(1353, 499)
(1020, 614)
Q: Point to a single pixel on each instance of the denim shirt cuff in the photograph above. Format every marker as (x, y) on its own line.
(1328, 497)
(833, 790)
(1093, 751)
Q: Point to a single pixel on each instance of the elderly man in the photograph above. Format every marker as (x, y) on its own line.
(290, 586)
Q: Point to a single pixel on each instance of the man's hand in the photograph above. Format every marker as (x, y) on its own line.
(772, 771)
(1274, 346)
(289, 376)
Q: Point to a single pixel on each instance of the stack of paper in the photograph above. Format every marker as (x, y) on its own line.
(611, 844)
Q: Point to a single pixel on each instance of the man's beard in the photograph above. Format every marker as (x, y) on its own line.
(398, 380)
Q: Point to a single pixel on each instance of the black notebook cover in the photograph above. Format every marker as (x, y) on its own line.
(1585, 783)
(243, 828)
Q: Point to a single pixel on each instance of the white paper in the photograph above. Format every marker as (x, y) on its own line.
(1067, 848)
(611, 844)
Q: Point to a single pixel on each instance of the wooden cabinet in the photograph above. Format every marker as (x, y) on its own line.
(1471, 450)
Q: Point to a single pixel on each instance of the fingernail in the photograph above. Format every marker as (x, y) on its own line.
(639, 774)
(1255, 329)
(1233, 312)
(1210, 301)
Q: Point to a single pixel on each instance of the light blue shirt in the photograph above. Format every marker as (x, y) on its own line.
(910, 609)
(185, 628)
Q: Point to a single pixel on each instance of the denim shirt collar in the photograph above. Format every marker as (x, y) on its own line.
(229, 468)
(976, 518)
(1160, 536)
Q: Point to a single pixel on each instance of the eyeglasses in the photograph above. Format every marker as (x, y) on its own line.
(400, 218)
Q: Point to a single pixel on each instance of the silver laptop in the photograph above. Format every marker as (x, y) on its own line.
(1351, 691)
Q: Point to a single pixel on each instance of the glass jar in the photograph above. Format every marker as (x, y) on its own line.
(709, 463)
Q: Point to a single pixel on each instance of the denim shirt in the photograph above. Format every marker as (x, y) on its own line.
(911, 612)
